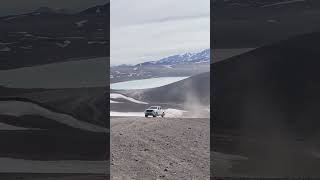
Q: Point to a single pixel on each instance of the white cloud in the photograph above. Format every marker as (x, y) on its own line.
(144, 30)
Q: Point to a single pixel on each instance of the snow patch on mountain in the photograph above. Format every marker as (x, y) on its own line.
(171, 113)
(114, 102)
(21, 108)
(26, 47)
(168, 66)
(63, 44)
(187, 58)
(81, 23)
(120, 96)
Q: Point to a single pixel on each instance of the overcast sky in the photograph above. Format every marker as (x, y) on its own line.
(144, 30)
(9, 7)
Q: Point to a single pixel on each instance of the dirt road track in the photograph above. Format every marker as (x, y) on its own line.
(157, 148)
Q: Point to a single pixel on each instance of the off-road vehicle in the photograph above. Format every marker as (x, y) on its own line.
(154, 111)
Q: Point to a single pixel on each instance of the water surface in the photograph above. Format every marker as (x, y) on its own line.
(145, 83)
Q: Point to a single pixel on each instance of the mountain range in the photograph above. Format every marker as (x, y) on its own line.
(187, 64)
(187, 58)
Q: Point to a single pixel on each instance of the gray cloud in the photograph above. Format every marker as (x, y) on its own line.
(144, 30)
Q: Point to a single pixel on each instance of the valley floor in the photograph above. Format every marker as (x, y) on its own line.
(160, 148)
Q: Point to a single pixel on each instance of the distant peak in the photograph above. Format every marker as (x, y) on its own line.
(188, 57)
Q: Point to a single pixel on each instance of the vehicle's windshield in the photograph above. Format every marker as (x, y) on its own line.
(153, 107)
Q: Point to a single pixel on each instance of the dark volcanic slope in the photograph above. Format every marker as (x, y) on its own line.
(194, 89)
(47, 37)
(271, 96)
(86, 104)
(54, 145)
(50, 139)
(283, 77)
(254, 23)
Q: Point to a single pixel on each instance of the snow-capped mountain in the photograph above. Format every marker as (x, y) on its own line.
(187, 64)
(187, 58)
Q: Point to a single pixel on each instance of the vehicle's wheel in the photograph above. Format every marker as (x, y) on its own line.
(154, 116)
(146, 116)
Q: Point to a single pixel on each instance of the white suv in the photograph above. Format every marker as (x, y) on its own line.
(154, 111)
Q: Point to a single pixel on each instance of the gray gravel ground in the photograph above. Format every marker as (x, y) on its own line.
(160, 148)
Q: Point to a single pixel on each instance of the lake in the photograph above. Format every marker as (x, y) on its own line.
(145, 83)
(72, 74)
